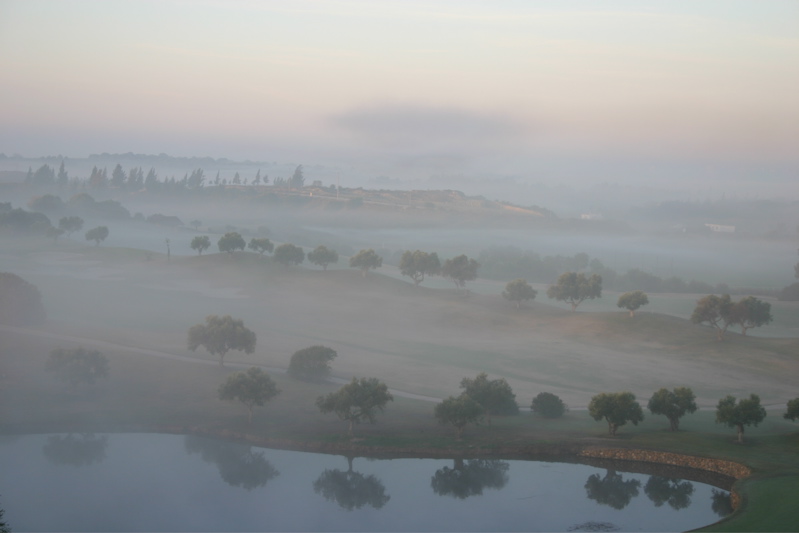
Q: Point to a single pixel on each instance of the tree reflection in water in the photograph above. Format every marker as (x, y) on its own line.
(470, 478)
(675, 492)
(75, 450)
(350, 489)
(238, 465)
(722, 503)
(611, 490)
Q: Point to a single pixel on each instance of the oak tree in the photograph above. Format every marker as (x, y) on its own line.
(715, 311)
(289, 254)
(261, 245)
(737, 414)
(574, 288)
(366, 260)
(323, 256)
(519, 291)
(219, 335)
(356, 402)
(673, 404)
(458, 411)
(200, 243)
(98, 234)
(311, 363)
(230, 242)
(416, 265)
(617, 408)
(494, 395)
(252, 388)
(460, 270)
(632, 301)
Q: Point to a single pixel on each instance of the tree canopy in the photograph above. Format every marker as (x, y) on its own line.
(632, 301)
(458, 411)
(20, 301)
(494, 395)
(77, 365)
(98, 234)
(519, 291)
(574, 288)
(288, 254)
(70, 224)
(230, 242)
(311, 363)
(792, 410)
(460, 269)
(366, 260)
(261, 245)
(200, 243)
(219, 335)
(548, 405)
(673, 404)
(617, 408)
(356, 402)
(750, 312)
(252, 388)
(737, 414)
(416, 265)
(715, 311)
(323, 256)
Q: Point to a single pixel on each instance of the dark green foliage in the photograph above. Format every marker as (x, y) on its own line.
(351, 490)
(261, 245)
(77, 366)
(288, 254)
(200, 243)
(746, 412)
(470, 478)
(230, 242)
(311, 363)
(611, 490)
(20, 302)
(632, 301)
(494, 395)
(616, 408)
(792, 409)
(675, 492)
(219, 335)
(98, 234)
(323, 256)
(460, 270)
(458, 412)
(416, 265)
(252, 388)
(356, 402)
(519, 291)
(548, 405)
(750, 312)
(574, 288)
(673, 404)
(366, 260)
(715, 311)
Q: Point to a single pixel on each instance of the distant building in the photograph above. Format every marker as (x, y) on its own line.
(720, 228)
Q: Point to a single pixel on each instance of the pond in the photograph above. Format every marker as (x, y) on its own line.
(152, 482)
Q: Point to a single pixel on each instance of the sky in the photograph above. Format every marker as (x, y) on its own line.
(563, 88)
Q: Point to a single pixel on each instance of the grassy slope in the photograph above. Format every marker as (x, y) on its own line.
(147, 392)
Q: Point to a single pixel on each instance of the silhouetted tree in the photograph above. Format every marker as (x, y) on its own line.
(416, 265)
(366, 260)
(323, 256)
(548, 405)
(460, 270)
(519, 291)
(288, 254)
(311, 363)
(632, 301)
(261, 245)
(71, 224)
(458, 411)
(715, 311)
(616, 408)
(750, 312)
(230, 242)
(200, 243)
(98, 234)
(673, 404)
(356, 402)
(746, 412)
(251, 388)
(494, 395)
(574, 288)
(219, 335)
(792, 410)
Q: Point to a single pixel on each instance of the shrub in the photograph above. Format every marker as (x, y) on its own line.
(548, 405)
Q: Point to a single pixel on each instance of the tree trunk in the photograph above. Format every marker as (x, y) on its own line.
(574, 306)
(349, 431)
(743, 330)
(740, 433)
(459, 430)
(675, 423)
(632, 313)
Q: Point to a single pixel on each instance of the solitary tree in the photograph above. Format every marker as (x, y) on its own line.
(416, 265)
(77, 366)
(200, 243)
(323, 256)
(251, 388)
(366, 260)
(97, 234)
(750, 312)
(548, 405)
(792, 411)
(288, 254)
(460, 270)
(746, 412)
(574, 288)
(311, 363)
(458, 412)
(632, 301)
(261, 245)
(219, 335)
(519, 291)
(357, 401)
(230, 242)
(20, 301)
(673, 404)
(616, 408)
(715, 311)
(71, 225)
(494, 395)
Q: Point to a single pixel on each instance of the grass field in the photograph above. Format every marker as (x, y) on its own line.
(418, 339)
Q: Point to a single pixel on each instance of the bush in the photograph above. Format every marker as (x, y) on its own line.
(311, 363)
(548, 405)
